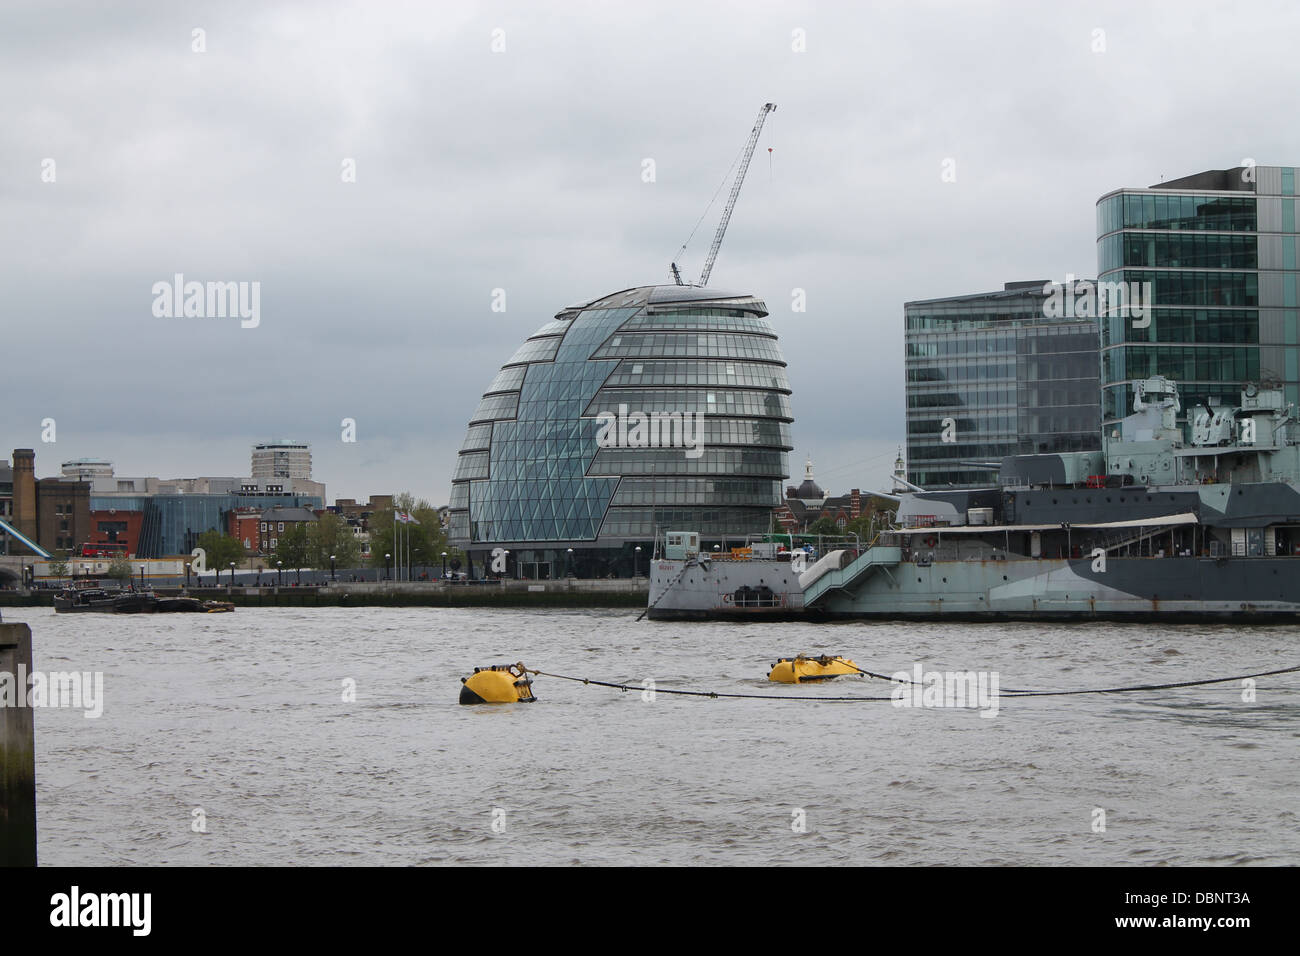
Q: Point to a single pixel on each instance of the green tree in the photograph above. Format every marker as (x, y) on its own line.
(59, 567)
(120, 569)
(219, 550)
(826, 526)
(293, 549)
(332, 535)
(426, 540)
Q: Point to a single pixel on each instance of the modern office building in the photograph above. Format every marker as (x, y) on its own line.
(996, 374)
(656, 407)
(282, 459)
(1219, 250)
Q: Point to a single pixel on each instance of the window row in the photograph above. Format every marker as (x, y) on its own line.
(690, 344)
(509, 379)
(671, 461)
(471, 465)
(1177, 250)
(963, 372)
(712, 522)
(721, 401)
(536, 350)
(477, 437)
(1181, 363)
(1153, 210)
(1197, 288)
(652, 372)
(704, 320)
(494, 407)
(697, 491)
(974, 397)
(1209, 326)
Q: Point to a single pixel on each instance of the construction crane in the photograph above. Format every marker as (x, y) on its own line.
(731, 200)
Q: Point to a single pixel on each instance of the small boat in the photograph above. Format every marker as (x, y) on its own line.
(104, 600)
(802, 670)
(217, 607)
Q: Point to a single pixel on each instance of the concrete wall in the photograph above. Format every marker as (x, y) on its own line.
(17, 753)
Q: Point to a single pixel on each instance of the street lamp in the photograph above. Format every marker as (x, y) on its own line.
(444, 565)
(569, 556)
(388, 565)
(279, 573)
(331, 568)
(187, 574)
(636, 563)
(232, 574)
(142, 577)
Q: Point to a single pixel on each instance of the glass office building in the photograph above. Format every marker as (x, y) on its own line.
(995, 374)
(171, 524)
(1219, 250)
(542, 475)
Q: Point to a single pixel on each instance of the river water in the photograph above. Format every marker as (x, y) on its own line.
(242, 717)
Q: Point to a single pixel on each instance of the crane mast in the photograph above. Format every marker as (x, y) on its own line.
(735, 191)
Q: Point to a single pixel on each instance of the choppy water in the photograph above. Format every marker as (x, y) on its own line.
(242, 715)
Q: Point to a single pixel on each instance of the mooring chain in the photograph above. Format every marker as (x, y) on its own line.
(1016, 692)
(1009, 693)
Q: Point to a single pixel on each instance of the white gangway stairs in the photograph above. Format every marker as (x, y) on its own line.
(832, 573)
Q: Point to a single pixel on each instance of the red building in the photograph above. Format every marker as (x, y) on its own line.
(111, 528)
(244, 525)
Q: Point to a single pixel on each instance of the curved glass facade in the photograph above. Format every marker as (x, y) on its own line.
(554, 469)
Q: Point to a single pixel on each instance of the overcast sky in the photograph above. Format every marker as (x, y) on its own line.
(522, 170)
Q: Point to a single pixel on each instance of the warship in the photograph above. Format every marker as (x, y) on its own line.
(1162, 523)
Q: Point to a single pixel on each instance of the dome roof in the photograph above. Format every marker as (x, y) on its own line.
(538, 463)
(808, 489)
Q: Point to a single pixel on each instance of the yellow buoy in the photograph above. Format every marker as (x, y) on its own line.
(498, 684)
(799, 670)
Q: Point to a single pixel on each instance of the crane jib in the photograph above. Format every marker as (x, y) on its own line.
(731, 199)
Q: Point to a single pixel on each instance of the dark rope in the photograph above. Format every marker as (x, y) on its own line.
(1135, 687)
(1008, 693)
(701, 693)
(1016, 692)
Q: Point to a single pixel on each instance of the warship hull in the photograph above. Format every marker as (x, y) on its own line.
(1185, 589)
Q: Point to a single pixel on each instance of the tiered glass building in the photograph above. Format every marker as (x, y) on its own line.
(991, 375)
(532, 480)
(1219, 249)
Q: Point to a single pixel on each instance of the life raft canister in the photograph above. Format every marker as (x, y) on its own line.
(800, 670)
(498, 684)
